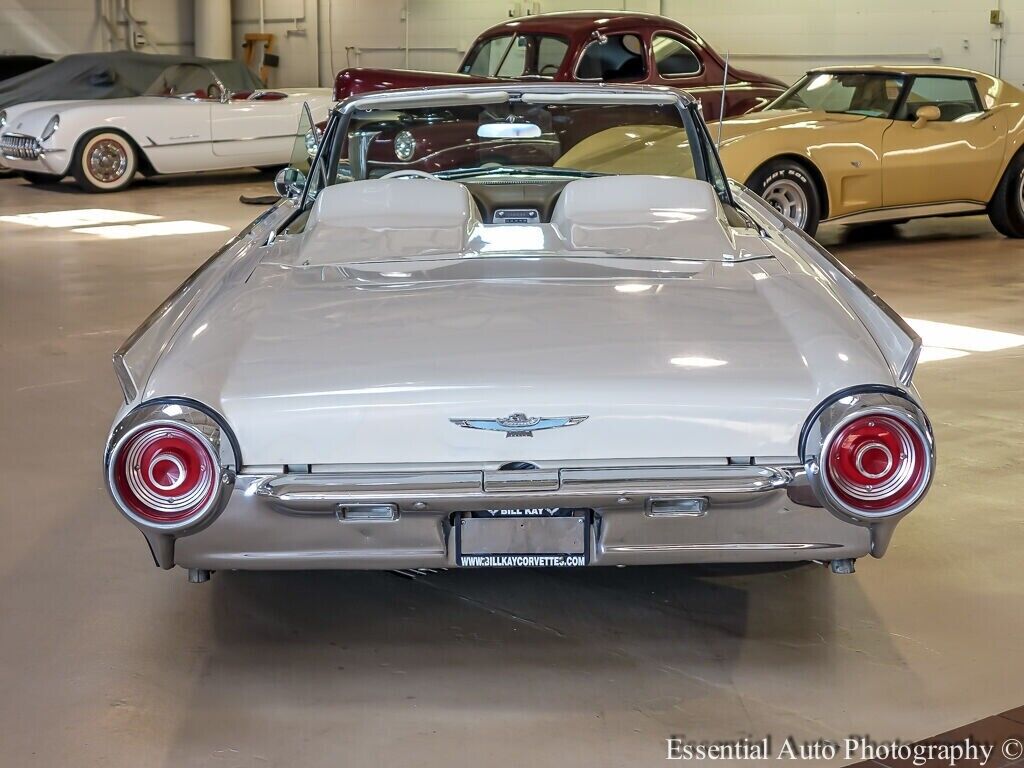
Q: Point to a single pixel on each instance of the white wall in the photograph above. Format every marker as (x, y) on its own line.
(58, 27)
(294, 24)
(782, 38)
(787, 38)
(315, 38)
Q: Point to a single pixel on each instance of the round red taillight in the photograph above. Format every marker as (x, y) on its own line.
(165, 474)
(877, 463)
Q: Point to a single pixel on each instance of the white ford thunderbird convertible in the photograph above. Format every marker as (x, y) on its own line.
(507, 364)
(189, 120)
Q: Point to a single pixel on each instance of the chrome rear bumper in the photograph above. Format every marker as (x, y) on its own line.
(642, 515)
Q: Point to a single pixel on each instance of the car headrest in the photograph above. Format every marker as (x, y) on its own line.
(634, 211)
(384, 218)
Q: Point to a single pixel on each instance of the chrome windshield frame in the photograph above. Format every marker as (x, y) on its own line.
(565, 93)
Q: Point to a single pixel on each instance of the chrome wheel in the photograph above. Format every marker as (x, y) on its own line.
(788, 198)
(107, 161)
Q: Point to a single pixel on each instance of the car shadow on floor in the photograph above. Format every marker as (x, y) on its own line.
(248, 176)
(869, 237)
(587, 621)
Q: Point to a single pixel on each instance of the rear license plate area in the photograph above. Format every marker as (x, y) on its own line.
(523, 538)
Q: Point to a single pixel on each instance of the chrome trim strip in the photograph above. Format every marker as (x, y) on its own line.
(910, 211)
(713, 479)
(737, 546)
(483, 94)
(173, 143)
(124, 377)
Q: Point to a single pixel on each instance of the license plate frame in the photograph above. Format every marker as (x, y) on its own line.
(553, 539)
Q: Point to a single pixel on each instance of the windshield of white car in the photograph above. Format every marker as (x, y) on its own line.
(853, 93)
(527, 137)
(199, 81)
(516, 56)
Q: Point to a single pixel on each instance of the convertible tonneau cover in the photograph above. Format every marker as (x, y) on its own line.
(110, 76)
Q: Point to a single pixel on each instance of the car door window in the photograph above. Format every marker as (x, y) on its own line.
(615, 58)
(550, 53)
(487, 57)
(955, 98)
(673, 57)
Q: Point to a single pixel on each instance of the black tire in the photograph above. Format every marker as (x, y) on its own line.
(39, 178)
(104, 161)
(1006, 209)
(789, 188)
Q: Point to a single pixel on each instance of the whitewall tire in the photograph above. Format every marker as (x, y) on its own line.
(105, 161)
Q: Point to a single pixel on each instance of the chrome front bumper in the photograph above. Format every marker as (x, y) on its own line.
(642, 515)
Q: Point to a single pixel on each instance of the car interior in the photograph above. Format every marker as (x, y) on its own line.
(617, 58)
(954, 98)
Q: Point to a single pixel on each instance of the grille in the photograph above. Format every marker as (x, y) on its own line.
(22, 147)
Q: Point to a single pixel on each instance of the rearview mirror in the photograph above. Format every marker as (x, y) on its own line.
(926, 115)
(508, 131)
(289, 182)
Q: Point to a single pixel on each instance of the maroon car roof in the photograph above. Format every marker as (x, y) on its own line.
(576, 21)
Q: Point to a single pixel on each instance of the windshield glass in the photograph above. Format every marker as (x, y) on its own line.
(199, 81)
(516, 56)
(521, 137)
(855, 93)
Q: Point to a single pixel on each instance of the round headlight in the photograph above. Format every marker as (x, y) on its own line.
(51, 127)
(3, 119)
(405, 146)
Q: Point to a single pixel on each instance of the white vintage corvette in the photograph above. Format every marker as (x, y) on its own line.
(518, 365)
(189, 120)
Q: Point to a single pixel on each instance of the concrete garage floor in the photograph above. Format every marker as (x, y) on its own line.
(105, 660)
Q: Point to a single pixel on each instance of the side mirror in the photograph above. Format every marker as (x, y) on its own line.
(926, 115)
(289, 182)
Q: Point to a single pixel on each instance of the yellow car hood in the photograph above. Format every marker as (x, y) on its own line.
(812, 119)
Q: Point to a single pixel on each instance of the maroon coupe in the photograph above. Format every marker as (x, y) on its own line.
(589, 46)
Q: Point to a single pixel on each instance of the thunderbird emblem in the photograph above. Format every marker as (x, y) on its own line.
(519, 424)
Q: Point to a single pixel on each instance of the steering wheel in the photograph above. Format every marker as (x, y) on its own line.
(409, 173)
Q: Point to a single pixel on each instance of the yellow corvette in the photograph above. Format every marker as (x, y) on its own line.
(862, 144)
(868, 144)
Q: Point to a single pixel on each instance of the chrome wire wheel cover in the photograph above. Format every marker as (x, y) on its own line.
(788, 198)
(107, 161)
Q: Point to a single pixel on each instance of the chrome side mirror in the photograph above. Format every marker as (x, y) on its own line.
(289, 182)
